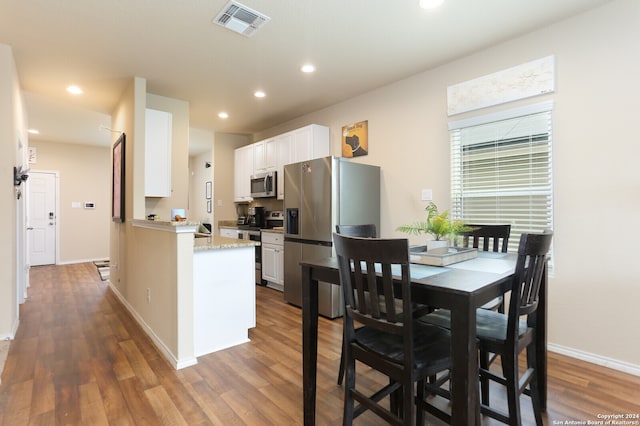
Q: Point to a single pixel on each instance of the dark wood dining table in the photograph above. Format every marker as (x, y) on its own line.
(462, 288)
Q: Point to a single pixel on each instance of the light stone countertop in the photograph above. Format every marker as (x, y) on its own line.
(279, 230)
(215, 242)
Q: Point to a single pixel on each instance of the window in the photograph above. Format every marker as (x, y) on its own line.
(501, 170)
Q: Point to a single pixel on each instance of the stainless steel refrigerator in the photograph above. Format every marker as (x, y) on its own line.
(318, 195)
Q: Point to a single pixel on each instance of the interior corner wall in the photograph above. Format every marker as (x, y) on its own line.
(12, 126)
(128, 116)
(200, 175)
(596, 183)
(223, 175)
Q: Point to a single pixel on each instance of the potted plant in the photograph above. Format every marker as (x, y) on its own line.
(438, 225)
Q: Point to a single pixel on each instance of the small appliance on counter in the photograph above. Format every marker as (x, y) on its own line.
(274, 220)
(256, 217)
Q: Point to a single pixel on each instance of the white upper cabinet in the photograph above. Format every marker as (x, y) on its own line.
(259, 157)
(310, 142)
(283, 151)
(157, 156)
(306, 143)
(264, 156)
(243, 169)
(271, 155)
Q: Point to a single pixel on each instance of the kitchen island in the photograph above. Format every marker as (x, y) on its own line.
(192, 296)
(224, 292)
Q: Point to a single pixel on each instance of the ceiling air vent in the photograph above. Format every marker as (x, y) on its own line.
(239, 18)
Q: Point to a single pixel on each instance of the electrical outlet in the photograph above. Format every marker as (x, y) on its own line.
(148, 295)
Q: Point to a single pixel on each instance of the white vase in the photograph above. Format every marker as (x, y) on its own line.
(437, 245)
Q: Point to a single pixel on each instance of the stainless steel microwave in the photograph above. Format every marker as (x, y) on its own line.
(263, 185)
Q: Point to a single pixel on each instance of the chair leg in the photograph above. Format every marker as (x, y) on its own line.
(420, 397)
(535, 390)
(408, 401)
(395, 401)
(484, 380)
(341, 371)
(342, 361)
(510, 372)
(350, 366)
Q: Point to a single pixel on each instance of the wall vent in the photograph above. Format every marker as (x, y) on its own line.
(240, 19)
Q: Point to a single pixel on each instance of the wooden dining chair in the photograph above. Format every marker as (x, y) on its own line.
(365, 231)
(374, 275)
(488, 238)
(509, 334)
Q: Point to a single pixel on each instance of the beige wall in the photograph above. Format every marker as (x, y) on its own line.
(594, 291)
(150, 260)
(199, 175)
(223, 155)
(85, 175)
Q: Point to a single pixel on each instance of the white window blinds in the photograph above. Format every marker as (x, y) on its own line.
(501, 171)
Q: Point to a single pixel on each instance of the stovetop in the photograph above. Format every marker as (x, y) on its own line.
(274, 219)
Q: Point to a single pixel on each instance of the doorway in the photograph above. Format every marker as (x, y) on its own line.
(42, 218)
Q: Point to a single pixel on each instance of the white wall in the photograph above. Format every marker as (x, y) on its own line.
(595, 289)
(13, 141)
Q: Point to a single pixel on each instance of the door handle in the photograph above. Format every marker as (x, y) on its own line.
(29, 228)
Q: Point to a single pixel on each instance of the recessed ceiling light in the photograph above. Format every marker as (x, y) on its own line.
(259, 94)
(430, 4)
(34, 131)
(308, 68)
(223, 115)
(74, 90)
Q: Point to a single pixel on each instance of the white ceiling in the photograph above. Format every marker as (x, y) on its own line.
(356, 45)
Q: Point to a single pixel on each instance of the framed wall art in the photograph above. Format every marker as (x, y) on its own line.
(117, 180)
(355, 139)
(208, 190)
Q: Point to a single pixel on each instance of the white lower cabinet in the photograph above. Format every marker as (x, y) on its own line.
(273, 259)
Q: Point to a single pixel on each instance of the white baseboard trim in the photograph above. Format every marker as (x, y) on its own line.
(625, 367)
(73, 262)
(159, 344)
(12, 333)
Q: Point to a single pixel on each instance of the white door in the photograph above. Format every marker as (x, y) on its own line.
(42, 218)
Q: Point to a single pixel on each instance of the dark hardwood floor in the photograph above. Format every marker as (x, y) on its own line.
(80, 359)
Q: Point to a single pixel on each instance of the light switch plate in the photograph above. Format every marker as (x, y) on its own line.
(427, 195)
